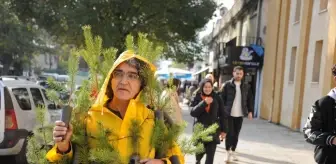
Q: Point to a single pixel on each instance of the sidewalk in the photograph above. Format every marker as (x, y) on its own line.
(261, 142)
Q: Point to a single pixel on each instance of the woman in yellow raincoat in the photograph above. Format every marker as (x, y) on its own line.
(116, 106)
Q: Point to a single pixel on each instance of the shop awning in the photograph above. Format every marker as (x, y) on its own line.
(174, 72)
(202, 70)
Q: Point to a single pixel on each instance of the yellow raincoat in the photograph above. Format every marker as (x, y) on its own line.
(136, 110)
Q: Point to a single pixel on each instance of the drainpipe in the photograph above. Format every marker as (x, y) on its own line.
(260, 2)
(257, 101)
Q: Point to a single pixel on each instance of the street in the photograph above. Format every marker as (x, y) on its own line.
(262, 143)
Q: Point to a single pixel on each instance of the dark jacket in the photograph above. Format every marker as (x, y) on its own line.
(228, 94)
(320, 130)
(216, 114)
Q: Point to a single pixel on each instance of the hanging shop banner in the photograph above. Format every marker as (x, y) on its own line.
(244, 56)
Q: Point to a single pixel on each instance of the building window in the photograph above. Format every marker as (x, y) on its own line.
(323, 4)
(292, 64)
(317, 61)
(297, 11)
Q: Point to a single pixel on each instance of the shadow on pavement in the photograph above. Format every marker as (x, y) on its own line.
(262, 159)
(261, 131)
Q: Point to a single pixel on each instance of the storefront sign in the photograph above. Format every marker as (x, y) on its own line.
(244, 56)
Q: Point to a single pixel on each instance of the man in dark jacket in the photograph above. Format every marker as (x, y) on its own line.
(238, 102)
(320, 128)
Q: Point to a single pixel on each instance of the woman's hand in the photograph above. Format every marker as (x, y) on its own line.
(59, 131)
(222, 136)
(208, 100)
(152, 161)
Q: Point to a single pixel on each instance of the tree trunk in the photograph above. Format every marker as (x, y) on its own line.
(5, 69)
(7, 61)
(50, 62)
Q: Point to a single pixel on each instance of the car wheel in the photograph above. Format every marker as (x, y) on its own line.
(21, 157)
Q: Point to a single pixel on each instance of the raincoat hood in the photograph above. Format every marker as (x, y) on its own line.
(127, 55)
(121, 138)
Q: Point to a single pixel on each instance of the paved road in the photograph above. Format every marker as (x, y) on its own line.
(263, 143)
(260, 143)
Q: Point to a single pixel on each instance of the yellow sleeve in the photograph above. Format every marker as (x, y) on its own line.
(53, 156)
(175, 151)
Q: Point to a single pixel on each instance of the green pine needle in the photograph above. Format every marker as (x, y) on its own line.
(55, 85)
(135, 132)
(130, 43)
(104, 156)
(158, 137)
(194, 144)
(99, 61)
(73, 69)
(38, 144)
(109, 57)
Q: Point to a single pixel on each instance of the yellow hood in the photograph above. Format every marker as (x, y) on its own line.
(102, 98)
(120, 139)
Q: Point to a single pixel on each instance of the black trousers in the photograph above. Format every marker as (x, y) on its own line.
(210, 149)
(235, 124)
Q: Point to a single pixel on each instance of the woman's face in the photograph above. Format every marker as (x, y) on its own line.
(125, 82)
(207, 88)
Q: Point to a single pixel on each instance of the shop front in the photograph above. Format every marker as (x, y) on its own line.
(251, 59)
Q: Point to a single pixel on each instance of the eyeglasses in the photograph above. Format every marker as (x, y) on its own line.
(118, 74)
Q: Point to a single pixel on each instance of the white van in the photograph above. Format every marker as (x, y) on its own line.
(18, 100)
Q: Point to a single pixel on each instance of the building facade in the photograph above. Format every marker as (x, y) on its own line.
(240, 30)
(300, 53)
(46, 61)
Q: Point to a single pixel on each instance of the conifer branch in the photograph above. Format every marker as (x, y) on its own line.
(130, 43)
(135, 132)
(38, 144)
(163, 138)
(193, 145)
(72, 71)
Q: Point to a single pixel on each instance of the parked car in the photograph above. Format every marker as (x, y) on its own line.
(42, 83)
(18, 100)
(9, 77)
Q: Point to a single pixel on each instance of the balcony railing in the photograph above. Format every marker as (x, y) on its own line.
(248, 40)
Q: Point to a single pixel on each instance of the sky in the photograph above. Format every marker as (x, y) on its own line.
(228, 4)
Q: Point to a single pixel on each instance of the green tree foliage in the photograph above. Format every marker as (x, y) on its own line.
(165, 135)
(194, 144)
(37, 145)
(173, 23)
(18, 41)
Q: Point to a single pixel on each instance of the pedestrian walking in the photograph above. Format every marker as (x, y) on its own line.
(320, 128)
(171, 94)
(207, 108)
(207, 76)
(238, 102)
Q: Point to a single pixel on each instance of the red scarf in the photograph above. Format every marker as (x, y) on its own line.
(207, 108)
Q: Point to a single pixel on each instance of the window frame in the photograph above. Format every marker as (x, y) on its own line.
(17, 100)
(39, 91)
(323, 6)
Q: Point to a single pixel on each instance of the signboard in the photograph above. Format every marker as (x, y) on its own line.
(222, 61)
(244, 56)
